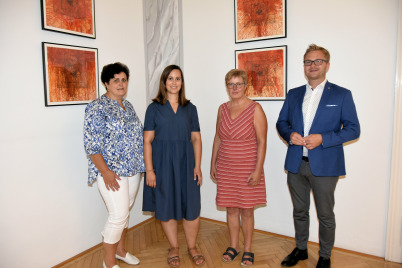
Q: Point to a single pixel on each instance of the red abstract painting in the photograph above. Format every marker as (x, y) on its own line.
(260, 19)
(71, 74)
(266, 71)
(69, 16)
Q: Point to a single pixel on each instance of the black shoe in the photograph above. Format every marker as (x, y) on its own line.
(294, 257)
(324, 263)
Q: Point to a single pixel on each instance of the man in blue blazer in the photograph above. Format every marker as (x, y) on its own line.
(315, 120)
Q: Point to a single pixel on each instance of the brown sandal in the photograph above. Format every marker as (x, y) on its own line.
(196, 258)
(174, 259)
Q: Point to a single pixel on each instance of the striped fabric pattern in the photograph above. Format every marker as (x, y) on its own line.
(237, 157)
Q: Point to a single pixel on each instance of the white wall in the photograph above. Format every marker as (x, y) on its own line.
(361, 36)
(48, 213)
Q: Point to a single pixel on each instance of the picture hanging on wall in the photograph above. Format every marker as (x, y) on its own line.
(70, 74)
(266, 72)
(259, 20)
(75, 17)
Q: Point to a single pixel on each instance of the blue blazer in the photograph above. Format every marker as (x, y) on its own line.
(336, 120)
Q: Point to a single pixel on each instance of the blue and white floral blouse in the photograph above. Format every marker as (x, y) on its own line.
(116, 134)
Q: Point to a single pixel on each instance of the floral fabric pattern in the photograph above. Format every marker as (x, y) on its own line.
(116, 134)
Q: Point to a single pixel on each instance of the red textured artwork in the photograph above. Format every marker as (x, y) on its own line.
(260, 19)
(69, 16)
(266, 71)
(70, 74)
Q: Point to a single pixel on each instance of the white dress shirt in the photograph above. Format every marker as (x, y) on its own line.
(310, 104)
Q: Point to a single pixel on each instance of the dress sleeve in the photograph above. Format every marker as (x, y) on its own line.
(149, 123)
(195, 125)
(94, 129)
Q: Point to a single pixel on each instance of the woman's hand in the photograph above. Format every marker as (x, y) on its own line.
(110, 178)
(198, 174)
(254, 178)
(213, 172)
(151, 179)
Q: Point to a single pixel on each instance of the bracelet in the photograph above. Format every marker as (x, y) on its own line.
(149, 170)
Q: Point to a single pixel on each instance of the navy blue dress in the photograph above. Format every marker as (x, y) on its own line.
(177, 194)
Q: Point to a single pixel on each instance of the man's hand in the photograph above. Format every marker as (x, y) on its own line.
(297, 139)
(312, 141)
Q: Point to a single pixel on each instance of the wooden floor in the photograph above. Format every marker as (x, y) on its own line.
(150, 245)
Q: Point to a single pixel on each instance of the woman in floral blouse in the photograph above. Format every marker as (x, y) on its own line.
(113, 139)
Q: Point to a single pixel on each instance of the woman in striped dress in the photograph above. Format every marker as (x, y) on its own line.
(237, 161)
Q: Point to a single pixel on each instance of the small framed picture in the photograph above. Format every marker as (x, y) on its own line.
(70, 74)
(75, 17)
(266, 71)
(259, 20)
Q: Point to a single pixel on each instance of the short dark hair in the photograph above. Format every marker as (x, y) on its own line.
(110, 70)
(161, 97)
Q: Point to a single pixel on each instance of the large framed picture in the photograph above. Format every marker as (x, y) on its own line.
(266, 71)
(70, 74)
(259, 20)
(75, 17)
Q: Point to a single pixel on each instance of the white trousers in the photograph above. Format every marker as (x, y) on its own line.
(118, 204)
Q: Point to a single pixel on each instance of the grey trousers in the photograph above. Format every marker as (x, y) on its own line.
(323, 189)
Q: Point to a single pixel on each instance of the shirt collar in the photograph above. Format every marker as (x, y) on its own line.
(319, 87)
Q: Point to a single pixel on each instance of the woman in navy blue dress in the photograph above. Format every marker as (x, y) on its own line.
(172, 155)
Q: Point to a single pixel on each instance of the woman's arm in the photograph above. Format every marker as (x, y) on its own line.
(94, 134)
(197, 147)
(215, 148)
(260, 126)
(149, 167)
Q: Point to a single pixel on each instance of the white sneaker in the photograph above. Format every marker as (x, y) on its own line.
(129, 259)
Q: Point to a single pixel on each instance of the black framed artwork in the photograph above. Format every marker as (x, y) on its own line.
(266, 70)
(70, 74)
(259, 20)
(75, 17)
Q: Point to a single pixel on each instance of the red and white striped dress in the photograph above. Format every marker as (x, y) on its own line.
(237, 157)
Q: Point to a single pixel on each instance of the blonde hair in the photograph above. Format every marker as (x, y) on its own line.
(236, 73)
(314, 47)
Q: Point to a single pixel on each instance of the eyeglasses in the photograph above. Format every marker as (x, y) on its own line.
(316, 62)
(231, 85)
